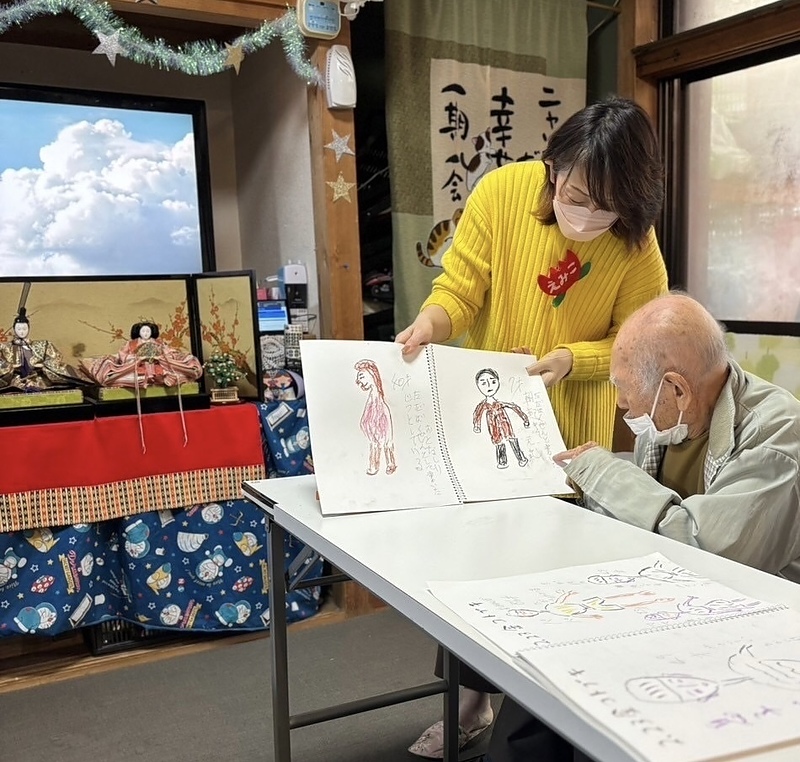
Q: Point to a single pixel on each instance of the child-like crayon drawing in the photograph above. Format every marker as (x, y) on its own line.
(656, 571)
(588, 608)
(683, 688)
(376, 419)
(498, 423)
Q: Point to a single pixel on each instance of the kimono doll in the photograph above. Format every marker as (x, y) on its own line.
(145, 360)
(32, 365)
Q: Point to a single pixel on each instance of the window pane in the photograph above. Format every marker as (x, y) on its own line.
(692, 13)
(743, 193)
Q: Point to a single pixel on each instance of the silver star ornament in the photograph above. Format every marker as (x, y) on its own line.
(339, 145)
(109, 46)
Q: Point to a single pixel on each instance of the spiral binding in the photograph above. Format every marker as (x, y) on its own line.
(659, 628)
(437, 416)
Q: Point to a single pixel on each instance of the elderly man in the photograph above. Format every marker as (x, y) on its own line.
(715, 465)
(717, 449)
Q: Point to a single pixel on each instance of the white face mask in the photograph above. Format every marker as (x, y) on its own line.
(644, 425)
(579, 224)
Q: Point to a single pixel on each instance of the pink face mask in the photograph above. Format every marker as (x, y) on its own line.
(579, 224)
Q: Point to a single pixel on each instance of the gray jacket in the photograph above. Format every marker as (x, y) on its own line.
(750, 511)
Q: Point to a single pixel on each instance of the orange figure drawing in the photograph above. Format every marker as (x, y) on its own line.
(376, 420)
(497, 421)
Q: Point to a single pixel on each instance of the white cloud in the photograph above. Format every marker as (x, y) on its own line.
(101, 202)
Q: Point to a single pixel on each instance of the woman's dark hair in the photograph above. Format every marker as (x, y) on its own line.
(137, 326)
(614, 142)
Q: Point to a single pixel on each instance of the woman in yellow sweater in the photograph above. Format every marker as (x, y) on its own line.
(550, 257)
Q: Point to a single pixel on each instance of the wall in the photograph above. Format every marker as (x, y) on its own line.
(774, 358)
(273, 167)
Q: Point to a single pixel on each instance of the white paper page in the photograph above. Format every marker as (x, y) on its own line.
(591, 602)
(397, 462)
(690, 694)
(511, 452)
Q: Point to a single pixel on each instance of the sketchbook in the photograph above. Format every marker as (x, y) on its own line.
(450, 426)
(676, 667)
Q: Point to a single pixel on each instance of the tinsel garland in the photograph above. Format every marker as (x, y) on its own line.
(200, 58)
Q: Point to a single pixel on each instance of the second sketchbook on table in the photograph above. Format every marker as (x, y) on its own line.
(674, 666)
(450, 426)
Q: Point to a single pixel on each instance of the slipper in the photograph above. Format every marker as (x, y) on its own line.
(431, 743)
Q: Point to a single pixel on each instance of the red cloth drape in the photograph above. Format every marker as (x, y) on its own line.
(93, 470)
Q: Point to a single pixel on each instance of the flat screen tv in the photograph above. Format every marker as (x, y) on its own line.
(98, 183)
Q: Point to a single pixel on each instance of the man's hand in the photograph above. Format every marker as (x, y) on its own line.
(563, 458)
(553, 366)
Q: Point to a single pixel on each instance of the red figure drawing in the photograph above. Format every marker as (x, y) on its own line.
(376, 420)
(497, 421)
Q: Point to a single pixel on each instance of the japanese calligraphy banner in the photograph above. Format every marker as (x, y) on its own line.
(490, 80)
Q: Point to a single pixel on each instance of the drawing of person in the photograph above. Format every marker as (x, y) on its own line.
(497, 421)
(376, 420)
(145, 360)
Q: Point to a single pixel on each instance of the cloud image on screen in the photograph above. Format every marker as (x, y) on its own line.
(97, 190)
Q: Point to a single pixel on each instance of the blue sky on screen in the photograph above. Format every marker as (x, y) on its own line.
(96, 190)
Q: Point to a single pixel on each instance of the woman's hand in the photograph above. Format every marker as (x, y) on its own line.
(416, 336)
(553, 367)
(431, 325)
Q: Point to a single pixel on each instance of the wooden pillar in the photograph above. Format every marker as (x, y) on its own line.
(638, 25)
(335, 219)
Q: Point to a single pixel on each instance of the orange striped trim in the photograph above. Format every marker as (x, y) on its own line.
(85, 505)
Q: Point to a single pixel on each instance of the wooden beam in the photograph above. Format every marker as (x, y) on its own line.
(244, 13)
(66, 31)
(770, 26)
(335, 222)
(638, 24)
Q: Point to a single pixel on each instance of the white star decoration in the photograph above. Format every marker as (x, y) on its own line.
(339, 145)
(109, 46)
(341, 188)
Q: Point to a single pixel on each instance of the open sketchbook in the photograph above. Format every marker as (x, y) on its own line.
(675, 666)
(450, 426)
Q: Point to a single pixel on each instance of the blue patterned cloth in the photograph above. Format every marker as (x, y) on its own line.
(203, 568)
(287, 444)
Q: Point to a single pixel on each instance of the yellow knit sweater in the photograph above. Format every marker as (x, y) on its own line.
(510, 281)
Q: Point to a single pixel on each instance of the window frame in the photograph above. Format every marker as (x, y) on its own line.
(673, 62)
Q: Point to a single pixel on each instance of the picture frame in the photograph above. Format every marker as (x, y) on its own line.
(226, 320)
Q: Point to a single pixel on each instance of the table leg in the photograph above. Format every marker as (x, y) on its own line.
(278, 644)
(450, 675)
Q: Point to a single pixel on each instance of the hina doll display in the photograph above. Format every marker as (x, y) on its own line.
(145, 360)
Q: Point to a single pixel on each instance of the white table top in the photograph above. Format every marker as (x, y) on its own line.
(396, 553)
